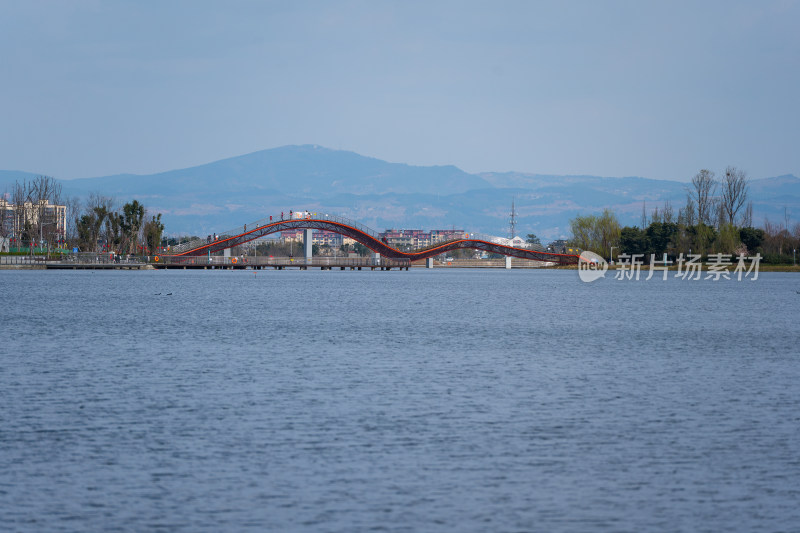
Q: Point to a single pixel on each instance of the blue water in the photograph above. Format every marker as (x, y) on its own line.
(444, 400)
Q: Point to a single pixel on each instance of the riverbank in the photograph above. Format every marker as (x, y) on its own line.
(78, 266)
(644, 268)
(761, 267)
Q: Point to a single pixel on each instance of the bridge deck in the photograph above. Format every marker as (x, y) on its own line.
(360, 233)
(280, 263)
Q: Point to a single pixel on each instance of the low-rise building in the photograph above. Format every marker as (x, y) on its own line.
(417, 238)
(319, 236)
(50, 220)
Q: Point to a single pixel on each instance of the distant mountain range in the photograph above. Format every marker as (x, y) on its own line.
(227, 193)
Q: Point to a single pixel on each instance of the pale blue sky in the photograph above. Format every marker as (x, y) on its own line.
(655, 89)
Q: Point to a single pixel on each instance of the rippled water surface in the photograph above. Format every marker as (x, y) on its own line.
(444, 400)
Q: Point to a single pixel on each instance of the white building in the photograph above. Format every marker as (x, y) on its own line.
(516, 242)
(14, 219)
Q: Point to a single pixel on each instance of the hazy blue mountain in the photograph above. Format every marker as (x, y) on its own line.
(304, 169)
(9, 177)
(225, 194)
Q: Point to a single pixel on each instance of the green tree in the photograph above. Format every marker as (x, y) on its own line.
(727, 241)
(660, 236)
(361, 250)
(89, 225)
(633, 240)
(595, 233)
(681, 241)
(583, 232)
(703, 237)
(132, 217)
(153, 229)
(113, 225)
(531, 238)
(85, 226)
(752, 238)
(100, 213)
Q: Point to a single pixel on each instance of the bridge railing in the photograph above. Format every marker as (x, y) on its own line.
(338, 219)
(464, 236)
(251, 226)
(494, 240)
(349, 222)
(186, 246)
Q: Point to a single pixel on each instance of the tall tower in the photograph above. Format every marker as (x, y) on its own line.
(513, 221)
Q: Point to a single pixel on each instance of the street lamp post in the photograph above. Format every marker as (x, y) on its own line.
(611, 256)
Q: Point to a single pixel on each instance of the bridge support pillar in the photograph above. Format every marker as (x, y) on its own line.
(376, 259)
(508, 261)
(429, 262)
(308, 247)
(226, 252)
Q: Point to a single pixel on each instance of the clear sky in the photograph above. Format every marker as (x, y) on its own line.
(653, 89)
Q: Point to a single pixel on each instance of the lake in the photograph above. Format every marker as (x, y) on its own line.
(428, 400)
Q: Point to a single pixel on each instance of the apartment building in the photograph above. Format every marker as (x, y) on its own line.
(416, 238)
(321, 237)
(50, 219)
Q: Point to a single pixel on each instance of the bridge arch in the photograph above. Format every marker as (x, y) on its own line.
(361, 234)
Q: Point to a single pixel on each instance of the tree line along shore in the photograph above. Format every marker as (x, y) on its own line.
(717, 217)
(36, 219)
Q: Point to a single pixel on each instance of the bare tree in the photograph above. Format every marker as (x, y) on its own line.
(44, 194)
(655, 216)
(689, 213)
(734, 193)
(22, 230)
(747, 218)
(774, 237)
(6, 214)
(667, 214)
(702, 196)
(73, 206)
(718, 215)
(644, 215)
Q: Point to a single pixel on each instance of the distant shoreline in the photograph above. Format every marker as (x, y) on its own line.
(761, 268)
(456, 263)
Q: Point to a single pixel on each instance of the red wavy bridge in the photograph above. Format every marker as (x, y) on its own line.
(359, 233)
